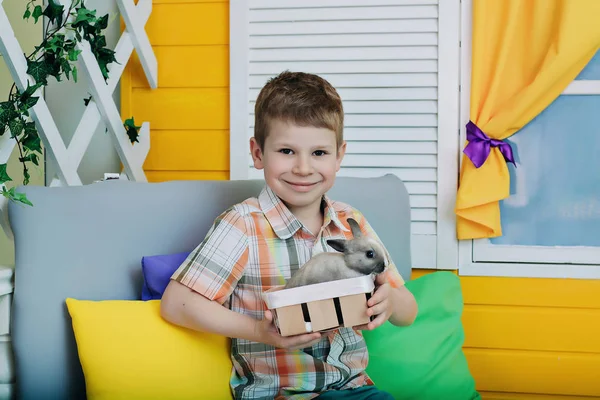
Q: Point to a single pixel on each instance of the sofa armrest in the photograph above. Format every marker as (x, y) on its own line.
(7, 377)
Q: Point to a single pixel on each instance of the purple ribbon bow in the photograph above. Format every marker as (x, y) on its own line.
(480, 144)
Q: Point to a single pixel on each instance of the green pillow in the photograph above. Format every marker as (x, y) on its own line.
(425, 360)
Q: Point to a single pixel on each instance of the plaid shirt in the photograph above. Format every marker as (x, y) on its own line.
(252, 247)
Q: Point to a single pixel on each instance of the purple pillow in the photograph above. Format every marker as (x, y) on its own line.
(157, 271)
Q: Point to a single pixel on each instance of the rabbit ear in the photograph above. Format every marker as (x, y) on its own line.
(356, 232)
(337, 244)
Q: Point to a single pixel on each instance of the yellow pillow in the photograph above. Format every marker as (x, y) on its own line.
(127, 351)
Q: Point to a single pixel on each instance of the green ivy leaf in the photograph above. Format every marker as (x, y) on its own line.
(102, 22)
(30, 157)
(39, 70)
(3, 175)
(53, 66)
(18, 197)
(74, 54)
(87, 100)
(7, 112)
(26, 98)
(132, 130)
(22, 198)
(16, 126)
(54, 12)
(100, 42)
(66, 67)
(105, 57)
(55, 44)
(27, 13)
(31, 140)
(33, 144)
(29, 91)
(30, 128)
(84, 16)
(26, 176)
(37, 13)
(70, 44)
(30, 102)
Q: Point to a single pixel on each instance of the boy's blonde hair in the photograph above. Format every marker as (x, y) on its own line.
(302, 99)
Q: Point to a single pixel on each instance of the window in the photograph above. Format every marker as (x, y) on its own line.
(551, 221)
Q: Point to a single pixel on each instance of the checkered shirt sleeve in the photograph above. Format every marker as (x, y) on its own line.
(215, 266)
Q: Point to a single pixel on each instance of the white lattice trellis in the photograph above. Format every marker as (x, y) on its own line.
(100, 109)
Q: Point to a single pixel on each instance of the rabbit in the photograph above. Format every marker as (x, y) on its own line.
(358, 256)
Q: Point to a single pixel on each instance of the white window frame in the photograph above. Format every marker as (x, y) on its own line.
(446, 254)
(482, 258)
(449, 36)
(239, 56)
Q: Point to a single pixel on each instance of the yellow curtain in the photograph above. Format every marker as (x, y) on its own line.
(524, 54)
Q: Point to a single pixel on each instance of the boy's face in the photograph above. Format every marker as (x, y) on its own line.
(299, 162)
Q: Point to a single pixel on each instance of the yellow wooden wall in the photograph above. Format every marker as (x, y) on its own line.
(533, 335)
(525, 338)
(531, 338)
(189, 112)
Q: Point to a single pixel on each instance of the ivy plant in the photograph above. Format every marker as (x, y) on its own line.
(56, 57)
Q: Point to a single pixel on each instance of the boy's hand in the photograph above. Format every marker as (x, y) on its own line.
(380, 304)
(266, 332)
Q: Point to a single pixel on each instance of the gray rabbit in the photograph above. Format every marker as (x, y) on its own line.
(358, 256)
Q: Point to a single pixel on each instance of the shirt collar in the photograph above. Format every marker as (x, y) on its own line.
(331, 215)
(284, 223)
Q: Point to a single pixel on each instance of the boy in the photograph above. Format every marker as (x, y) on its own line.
(260, 242)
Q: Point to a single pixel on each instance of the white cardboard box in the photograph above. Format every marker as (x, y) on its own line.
(320, 307)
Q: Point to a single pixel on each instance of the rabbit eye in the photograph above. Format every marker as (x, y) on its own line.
(370, 254)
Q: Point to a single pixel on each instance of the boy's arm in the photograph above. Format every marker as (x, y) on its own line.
(404, 307)
(208, 277)
(398, 302)
(182, 306)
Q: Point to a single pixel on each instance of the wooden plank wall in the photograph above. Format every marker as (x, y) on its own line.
(532, 338)
(533, 335)
(189, 112)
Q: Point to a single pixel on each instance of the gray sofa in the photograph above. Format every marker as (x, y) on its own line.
(87, 242)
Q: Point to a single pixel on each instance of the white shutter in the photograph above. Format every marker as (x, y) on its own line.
(383, 57)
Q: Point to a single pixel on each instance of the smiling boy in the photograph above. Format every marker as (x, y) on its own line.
(259, 243)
